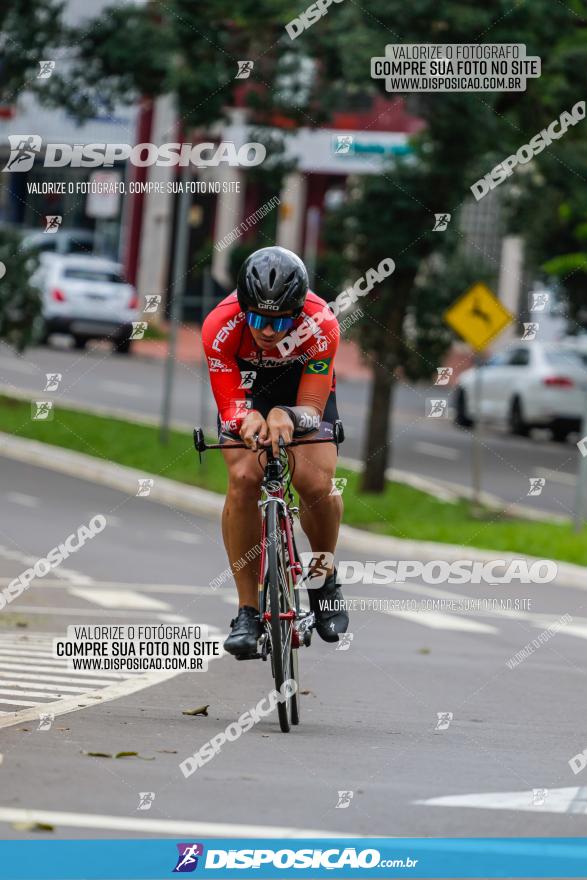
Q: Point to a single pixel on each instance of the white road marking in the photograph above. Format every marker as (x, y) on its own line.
(25, 559)
(119, 599)
(436, 450)
(556, 476)
(173, 827)
(183, 537)
(557, 800)
(43, 687)
(22, 499)
(17, 703)
(187, 589)
(52, 611)
(86, 678)
(21, 693)
(131, 684)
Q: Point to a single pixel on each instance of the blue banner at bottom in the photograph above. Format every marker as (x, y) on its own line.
(221, 858)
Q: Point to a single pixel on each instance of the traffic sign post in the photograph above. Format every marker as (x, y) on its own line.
(478, 317)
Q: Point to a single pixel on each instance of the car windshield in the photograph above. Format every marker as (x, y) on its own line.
(102, 275)
(568, 358)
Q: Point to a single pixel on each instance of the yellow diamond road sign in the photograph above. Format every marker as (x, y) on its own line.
(478, 316)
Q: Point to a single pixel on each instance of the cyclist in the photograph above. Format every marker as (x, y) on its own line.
(263, 394)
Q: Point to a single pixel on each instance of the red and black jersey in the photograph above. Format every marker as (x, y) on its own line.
(244, 377)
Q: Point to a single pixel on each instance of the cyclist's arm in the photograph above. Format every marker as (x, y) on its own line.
(225, 377)
(317, 374)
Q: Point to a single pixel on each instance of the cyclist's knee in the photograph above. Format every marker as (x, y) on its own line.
(244, 481)
(313, 486)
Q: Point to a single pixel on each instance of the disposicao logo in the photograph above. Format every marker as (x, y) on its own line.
(187, 859)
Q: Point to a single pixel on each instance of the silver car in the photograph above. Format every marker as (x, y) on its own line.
(88, 298)
(528, 385)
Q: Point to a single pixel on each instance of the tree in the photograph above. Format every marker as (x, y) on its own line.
(20, 301)
(465, 136)
(30, 31)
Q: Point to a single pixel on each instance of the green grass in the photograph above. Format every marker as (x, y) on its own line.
(400, 511)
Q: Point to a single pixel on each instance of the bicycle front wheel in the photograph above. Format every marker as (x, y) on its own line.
(280, 603)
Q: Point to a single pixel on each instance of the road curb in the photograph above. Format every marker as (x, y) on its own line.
(203, 502)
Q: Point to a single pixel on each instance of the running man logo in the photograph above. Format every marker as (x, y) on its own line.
(444, 719)
(343, 144)
(24, 149)
(138, 329)
(46, 69)
(318, 367)
(42, 410)
(187, 859)
(145, 487)
(441, 222)
(537, 484)
(152, 302)
(52, 223)
(53, 380)
(344, 800)
(530, 331)
(316, 567)
(146, 799)
(244, 69)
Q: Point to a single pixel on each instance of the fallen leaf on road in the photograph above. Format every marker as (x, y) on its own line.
(97, 754)
(423, 650)
(307, 693)
(201, 710)
(33, 826)
(168, 751)
(132, 755)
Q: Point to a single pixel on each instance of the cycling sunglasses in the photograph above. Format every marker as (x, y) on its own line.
(258, 322)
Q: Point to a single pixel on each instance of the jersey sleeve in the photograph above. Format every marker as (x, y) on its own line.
(220, 348)
(316, 382)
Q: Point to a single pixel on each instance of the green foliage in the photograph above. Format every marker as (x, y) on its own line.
(30, 31)
(20, 302)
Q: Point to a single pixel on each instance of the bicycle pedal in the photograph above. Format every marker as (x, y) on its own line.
(248, 656)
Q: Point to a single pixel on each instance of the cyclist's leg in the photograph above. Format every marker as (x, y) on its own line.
(241, 521)
(320, 511)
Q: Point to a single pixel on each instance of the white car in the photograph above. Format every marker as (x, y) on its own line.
(528, 385)
(87, 297)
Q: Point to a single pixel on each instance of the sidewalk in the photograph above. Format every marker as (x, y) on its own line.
(349, 364)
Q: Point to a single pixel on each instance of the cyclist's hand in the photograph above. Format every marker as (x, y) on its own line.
(279, 425)
(254, 430)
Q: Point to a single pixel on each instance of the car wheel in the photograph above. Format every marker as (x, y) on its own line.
(80, 342)
(461, 417)
(559, 434)
(517, 424)
(123, 345)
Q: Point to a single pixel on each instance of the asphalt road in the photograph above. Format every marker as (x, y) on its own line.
(370, 721)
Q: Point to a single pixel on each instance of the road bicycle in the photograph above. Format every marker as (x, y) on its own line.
(286, 626)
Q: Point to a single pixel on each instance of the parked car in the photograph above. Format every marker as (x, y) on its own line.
(88, 298)
(64, 241)
(528, 385)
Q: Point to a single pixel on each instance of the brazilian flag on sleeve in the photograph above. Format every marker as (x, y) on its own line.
(318, 367)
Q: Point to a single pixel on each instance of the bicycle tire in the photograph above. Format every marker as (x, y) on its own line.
(282, 661)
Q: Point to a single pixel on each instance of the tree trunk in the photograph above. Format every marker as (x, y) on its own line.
(377, 440)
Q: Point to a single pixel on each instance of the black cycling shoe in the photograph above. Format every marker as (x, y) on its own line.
(327, 605)
(246, 629)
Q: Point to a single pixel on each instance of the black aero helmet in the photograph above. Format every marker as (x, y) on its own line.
(272, 278)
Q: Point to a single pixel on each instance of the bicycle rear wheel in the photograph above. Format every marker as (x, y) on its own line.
(280, 600)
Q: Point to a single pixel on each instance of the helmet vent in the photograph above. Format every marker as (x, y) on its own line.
(272, 277)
